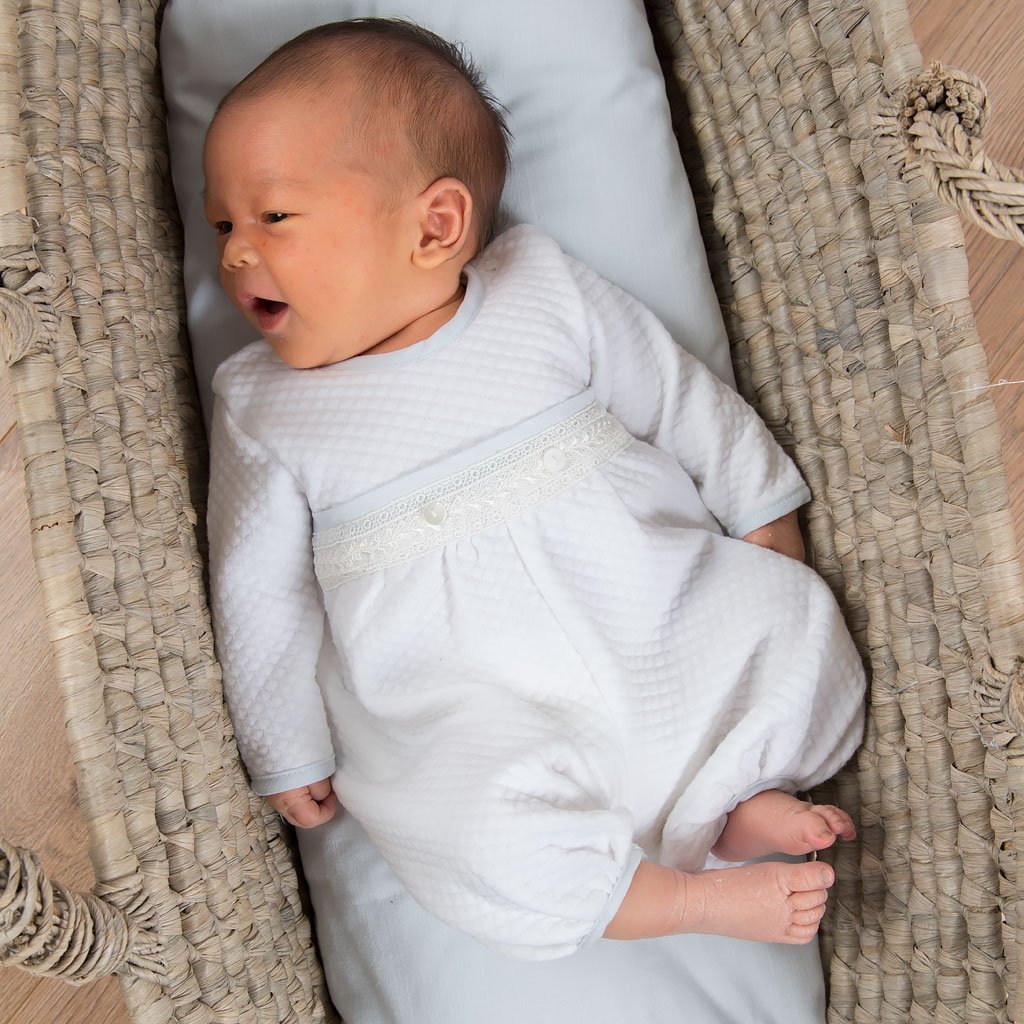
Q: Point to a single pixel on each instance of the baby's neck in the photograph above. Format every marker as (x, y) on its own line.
(423, 326)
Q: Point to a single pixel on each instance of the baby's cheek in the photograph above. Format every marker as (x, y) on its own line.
(226, 282)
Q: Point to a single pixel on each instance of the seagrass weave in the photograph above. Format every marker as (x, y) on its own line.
(816, 146)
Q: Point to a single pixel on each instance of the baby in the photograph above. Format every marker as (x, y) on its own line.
(471, 524)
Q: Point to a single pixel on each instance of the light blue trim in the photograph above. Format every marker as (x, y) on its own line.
(636, 855)
(278, 782)
(769, 513)
(441, 338)
(783, 783)
(348, 511)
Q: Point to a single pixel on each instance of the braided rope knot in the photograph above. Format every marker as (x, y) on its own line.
(47, 929)
(939, 90)
(937, 120)
(998, 699)
(25, 323)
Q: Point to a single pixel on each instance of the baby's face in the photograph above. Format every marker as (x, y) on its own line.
(308, 252)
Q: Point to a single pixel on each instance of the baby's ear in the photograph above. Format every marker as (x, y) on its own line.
(446, 223)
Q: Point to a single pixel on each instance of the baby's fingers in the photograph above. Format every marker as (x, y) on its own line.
(319, 791)
(308, 813)
(306, 806)
(316, 806)
(327, 808)
(308, 816)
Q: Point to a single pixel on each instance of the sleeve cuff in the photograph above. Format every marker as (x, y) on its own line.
(292, 778)
(793, 499)
(636, 855)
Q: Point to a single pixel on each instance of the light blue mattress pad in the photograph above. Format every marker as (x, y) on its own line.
(390, 962)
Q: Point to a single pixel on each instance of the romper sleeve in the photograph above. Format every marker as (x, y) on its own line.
(668, 398)
(267, 611)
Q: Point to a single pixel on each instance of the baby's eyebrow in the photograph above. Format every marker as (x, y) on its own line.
(266, 181)
(277, 181)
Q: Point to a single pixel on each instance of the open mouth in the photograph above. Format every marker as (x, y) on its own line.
(269, 312)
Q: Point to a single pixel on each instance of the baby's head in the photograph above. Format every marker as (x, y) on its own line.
(350, 177)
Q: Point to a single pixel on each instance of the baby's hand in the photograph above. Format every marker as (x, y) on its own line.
(782, 535)
(307, 806)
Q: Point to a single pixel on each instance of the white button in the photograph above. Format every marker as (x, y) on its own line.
(434, 513)
(554, 460)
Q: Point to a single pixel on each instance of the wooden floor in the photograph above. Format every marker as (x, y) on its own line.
(37, 798)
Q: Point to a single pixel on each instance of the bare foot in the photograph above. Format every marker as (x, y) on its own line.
(766, 902)
(775, 822)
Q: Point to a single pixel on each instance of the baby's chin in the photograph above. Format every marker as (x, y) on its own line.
(299, 356)
(296, 348)
(297, 360)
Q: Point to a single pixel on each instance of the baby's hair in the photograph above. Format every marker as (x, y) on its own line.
(453, 125)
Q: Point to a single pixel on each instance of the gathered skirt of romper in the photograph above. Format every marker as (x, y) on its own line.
(524, 692)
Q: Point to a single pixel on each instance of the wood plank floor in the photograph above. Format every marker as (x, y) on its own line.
(37, 805)
(986, 37)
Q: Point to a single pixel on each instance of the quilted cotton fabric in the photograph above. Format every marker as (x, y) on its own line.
(513, 716)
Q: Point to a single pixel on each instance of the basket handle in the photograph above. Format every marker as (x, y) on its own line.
(939, 118)
(48, 930)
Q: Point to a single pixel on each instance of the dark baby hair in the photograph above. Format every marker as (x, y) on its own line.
(410, 82)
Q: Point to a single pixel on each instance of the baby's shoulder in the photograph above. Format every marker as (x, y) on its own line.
(525, 268)
(528, 260)
(250, 367)
(524, 252)
(254, 384)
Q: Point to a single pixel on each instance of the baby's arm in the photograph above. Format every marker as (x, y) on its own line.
(782, 535)
(668, 398)
(267, 611)
(307, 806)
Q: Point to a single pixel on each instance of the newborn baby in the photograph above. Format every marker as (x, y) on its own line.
(493, 559)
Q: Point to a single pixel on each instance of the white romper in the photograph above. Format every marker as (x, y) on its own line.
(482, 583)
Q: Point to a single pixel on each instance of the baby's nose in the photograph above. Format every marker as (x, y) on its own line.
(238, 253)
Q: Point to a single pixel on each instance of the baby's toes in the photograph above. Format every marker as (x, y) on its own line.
(837, 820)
(813, 829)
(800, 934)
(807, 900)
(800, 918)
(805, 882)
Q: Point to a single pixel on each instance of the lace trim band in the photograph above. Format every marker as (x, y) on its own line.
(491, 491)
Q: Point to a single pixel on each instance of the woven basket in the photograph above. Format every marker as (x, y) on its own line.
(816, 145)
